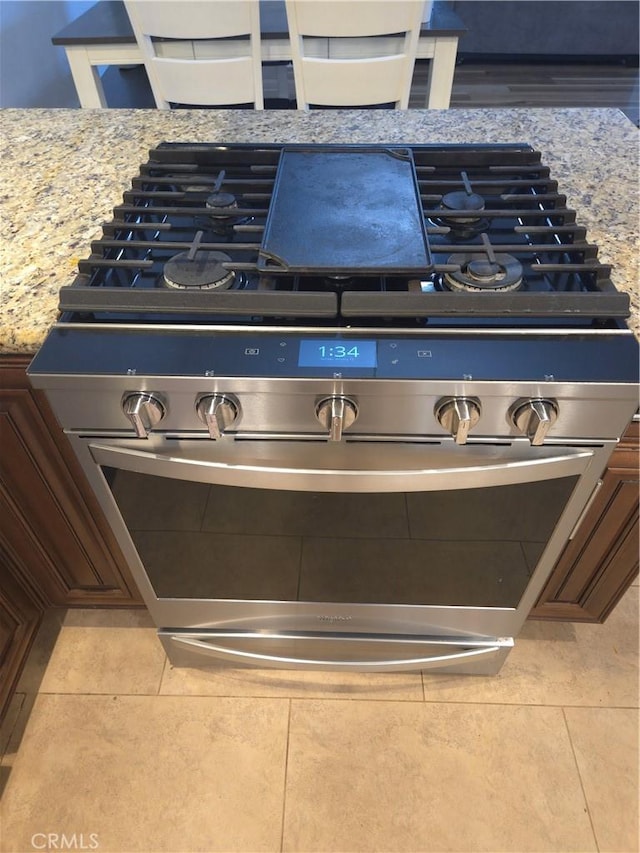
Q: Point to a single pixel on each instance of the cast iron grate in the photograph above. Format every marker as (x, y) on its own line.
(472, 199)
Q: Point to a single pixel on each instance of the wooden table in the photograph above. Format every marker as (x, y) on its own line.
(103, 36)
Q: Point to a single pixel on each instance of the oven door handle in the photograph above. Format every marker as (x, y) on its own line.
(253, 658)
(353, 468)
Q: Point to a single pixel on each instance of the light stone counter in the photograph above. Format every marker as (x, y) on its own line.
(62, 172)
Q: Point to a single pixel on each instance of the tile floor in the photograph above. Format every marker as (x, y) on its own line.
(107, 746)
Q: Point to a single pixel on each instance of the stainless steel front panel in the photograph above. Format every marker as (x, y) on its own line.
(422, 569)
(385, 407)
(339, 651)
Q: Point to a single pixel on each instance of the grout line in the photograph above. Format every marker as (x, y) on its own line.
(584, 793)
(346, 697)
(284, 785)
(281, 697)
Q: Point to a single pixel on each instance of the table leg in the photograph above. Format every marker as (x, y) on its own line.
(441, 72)
(86, 78)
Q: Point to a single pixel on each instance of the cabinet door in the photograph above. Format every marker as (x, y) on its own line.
(601, 561)
(20, 613)
(50, 520)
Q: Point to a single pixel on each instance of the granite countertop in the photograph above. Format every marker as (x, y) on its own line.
(63, 171)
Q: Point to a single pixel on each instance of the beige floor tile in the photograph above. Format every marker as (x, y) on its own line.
(150, 774)
(228, 681)
(105, 651)
(12, 731)
(396, 777)
(560, 664)
(605, 742)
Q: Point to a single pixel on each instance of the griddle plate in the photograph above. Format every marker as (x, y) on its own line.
(345, 212)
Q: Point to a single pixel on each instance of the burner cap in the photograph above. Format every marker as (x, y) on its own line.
(462, 200)
(203, 272)
(482, 269)
(478, 273)
(221, 204)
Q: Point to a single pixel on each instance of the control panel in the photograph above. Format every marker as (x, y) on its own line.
(455, 356)
(217, 384)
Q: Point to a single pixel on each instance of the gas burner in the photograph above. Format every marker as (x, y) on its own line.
(222, 205)
(478, 272)
(222, 218)
(198, 270)
(462, 201)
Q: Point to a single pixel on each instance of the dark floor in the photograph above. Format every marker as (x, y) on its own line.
(539, 84)
(476, 84)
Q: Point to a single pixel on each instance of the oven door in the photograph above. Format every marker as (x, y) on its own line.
(312, 539)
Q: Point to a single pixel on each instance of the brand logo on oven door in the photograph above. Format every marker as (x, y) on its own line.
(334, 618)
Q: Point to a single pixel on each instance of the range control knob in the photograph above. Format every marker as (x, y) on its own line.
(218, 412)
(458, 415)
(534, 418)
(145, 411)
(336, 414)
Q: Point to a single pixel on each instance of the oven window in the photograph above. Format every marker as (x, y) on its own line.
(468, 547)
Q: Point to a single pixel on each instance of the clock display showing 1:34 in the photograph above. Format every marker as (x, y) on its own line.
(336, 353)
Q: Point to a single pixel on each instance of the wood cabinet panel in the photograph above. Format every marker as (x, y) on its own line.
(8, 627)
(52, 521)
(601, 561)
(28, 474)
(20, 614)
(55, 546)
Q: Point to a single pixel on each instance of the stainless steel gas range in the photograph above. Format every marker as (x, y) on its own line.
(343, 406)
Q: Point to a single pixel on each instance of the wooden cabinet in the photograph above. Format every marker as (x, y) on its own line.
(55, 546)
(51, 522)
(600, 562)
(21, 608)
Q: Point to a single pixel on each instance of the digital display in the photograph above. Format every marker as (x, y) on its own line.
(336, 353)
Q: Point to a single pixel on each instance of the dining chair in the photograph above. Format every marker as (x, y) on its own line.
(353, 52)
(200, 52)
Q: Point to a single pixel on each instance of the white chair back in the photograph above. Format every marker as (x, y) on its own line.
(353, 52)
(200, 52)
